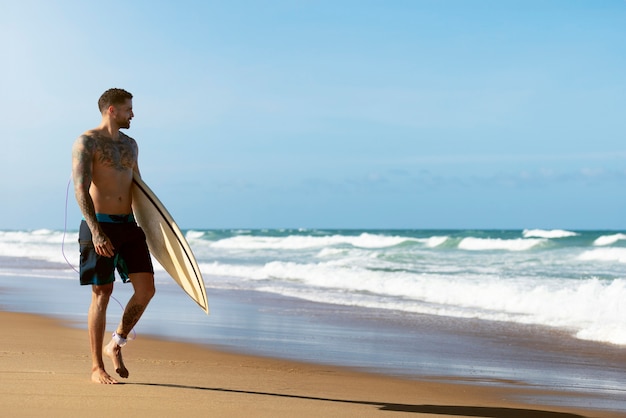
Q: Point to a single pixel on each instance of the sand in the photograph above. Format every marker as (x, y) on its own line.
(45, 371)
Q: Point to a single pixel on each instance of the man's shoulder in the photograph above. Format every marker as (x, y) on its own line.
(86, 139)
(129, 138)
(93, 137)
(89, 135)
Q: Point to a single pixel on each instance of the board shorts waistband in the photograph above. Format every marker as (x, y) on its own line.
(115, 219)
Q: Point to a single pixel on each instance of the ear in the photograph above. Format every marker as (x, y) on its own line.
(111, 110)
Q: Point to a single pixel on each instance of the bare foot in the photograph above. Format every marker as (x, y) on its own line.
(101, 376)
(114, 351)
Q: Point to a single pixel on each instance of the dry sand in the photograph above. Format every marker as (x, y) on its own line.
(45, 371)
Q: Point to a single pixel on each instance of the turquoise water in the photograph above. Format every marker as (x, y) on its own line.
(566, 279)
(571, 280)
(534, 307)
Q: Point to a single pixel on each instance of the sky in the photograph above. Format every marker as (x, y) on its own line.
(429, 114)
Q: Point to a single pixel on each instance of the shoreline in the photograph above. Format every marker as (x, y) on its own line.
(530, 365)
(46, 368)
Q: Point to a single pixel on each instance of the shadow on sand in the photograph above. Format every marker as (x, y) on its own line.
(462, 411)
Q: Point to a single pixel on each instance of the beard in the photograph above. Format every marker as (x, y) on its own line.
(123, 123)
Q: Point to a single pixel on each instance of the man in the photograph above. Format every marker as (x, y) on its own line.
(103, 163)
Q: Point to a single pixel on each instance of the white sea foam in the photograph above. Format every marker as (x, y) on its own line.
(435, 241)
(41, 244)
(331, 252)
(405, 273)
(592, 307)
(609, 239)
(485, 244)
(297, 242)
(191, 234)
(604, 254)
(552, 233)
(613, 332)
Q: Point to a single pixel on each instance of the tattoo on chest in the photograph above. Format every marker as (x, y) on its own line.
(120, 155)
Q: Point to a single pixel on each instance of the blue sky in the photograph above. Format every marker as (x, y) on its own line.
(327, 114)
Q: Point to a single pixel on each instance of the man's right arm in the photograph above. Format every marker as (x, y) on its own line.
(82, 166)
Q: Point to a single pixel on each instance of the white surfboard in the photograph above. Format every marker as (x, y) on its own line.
(167, 243)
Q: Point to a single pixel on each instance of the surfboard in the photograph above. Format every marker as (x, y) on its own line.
(167, 243)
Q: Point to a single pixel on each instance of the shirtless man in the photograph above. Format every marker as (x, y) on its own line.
(103, 162)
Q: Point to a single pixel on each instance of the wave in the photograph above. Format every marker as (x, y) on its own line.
(372, 241)
(609, 239)
(435, 241)
(590, 307)
(299, 242)
(11, 241)
(552, 233)
(484, 244)
(192, 234)
(604, 254)
(38, 235)
(441, 272)
(40, 244)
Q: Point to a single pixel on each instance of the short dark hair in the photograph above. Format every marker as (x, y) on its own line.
(113, 97)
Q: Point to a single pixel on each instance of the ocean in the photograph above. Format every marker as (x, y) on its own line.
(572, 280)
(525, 307)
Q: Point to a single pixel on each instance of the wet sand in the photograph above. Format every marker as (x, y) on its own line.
(45, 369)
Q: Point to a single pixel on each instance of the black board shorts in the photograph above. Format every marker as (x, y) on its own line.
(131, 251)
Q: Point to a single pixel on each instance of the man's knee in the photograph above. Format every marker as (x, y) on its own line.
(102, 291)
(149, 291)
(143, 283)
(145, 294)
(100, 295)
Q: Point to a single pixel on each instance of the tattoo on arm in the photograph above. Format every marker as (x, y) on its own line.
(82, 161)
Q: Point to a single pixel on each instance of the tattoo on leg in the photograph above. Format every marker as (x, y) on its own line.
(131, 316)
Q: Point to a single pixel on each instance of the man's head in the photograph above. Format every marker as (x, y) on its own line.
(117, 104)
(113, 97)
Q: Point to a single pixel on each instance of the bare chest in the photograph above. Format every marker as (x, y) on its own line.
(119, 155)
